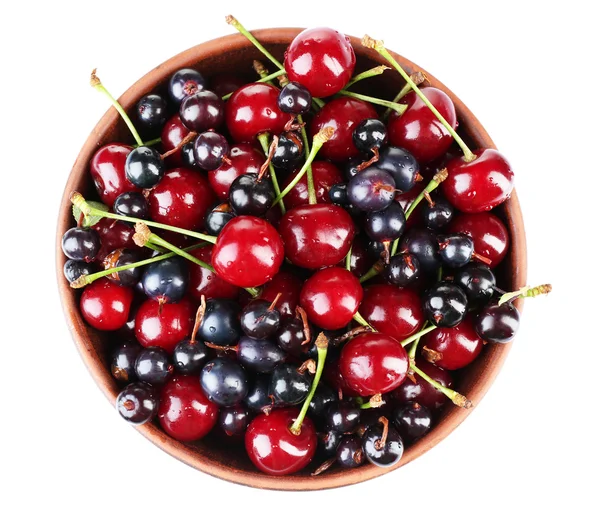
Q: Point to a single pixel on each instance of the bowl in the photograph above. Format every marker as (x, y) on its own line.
(231, 53)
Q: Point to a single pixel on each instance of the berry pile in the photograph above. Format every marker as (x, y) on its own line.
(298, 287)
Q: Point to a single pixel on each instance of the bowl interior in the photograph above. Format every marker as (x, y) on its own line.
(214, 455)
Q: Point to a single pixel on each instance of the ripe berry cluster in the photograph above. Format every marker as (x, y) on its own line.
(275, 284)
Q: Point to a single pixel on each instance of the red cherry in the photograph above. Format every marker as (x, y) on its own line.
(184, 411)
(331, 297)
(373, 363)
(164, 325)
(481, 184)
(248, 252)
(181, 199)
(105, 305)
(252, 110)
(421, 391)
(418, 130)
(289, 286)
(113, 235)
(343, 114)
(325, 175)
(172, 135)
(333, 376)
(244, 159)
(321, 59)
(316, 235)
(456, 347)
(108, 172)
(205, 283)
(489, 234)
(274, 449)
(393, 311)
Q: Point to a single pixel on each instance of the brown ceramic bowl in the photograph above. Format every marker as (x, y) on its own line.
(235, 53)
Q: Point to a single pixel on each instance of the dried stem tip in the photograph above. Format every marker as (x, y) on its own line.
(79, 201)
(462, 401)
(324, 135)
(231, 20)
(142, 234)
(440, 176)
(371, 43)
(94, 80)
(259, 68)
(322, 342)
(376, 401)
(526, 291)
(80, 282)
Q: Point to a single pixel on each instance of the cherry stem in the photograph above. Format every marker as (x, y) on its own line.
(301, 314)
(322, 343)
(221, 347)
(80, 203)
(97, 84)
(376, 269)
(266, 79)
(418, 335)
(483, 259)
(270, 154)
(413, 349)
(376, 401)
(418, 78)
(399, 108)
(455, 397)
(310, 183)
(319, 139)
(274, 302)
(526, 291)
(262, 71)
(324, 467)
(349, 259)
(189, 137)
(149, 143)
(88, 279)
(143, 234)
(369, 162)
(231, 20)
(351, 334)
(380, 443)
(375, 71)
(362, 321)
(438, 178)
(199, 318)
(378, 46)
(263, 138)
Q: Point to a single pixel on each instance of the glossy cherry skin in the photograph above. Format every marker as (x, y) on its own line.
(205, 283)
(248, 252)
(321, 59)
(113, 235)
(393, 311)
(274, 449)
(373, 363)
(454, 347)
(108, 172)
(184, 412)
(252, 110)
(181, 199)
(331, 297)
(325, 176)
(289, 286)
(488, 232)
(164, 326)
(421, 391)
(343, 114)
(316, 235)
(171, 136)
(105, 305)
(418, 130)
(481, 184)
(244, 159)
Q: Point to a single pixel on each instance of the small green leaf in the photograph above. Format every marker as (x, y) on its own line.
(90, 221)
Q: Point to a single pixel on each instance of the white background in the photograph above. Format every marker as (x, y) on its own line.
(529, 451)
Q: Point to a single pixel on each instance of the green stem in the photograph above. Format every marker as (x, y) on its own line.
(318, 102)
(149, 143)
(242, 30)
(321, 344)
(97, 84)
(262, 80)
(375, 71)
(455, 397)
(79, 201)
(385, 103)
(349, 259)
(379, 47)
(310, 183)
(526, 291)
(318, 140)
(413, 348)
(418, 78)
(263, 138)
(372, 272)
(362, 321)
(418, 335)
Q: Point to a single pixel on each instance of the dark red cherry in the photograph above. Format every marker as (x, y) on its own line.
(113, 235)
(163, 326)
(393, 311)
(184, 412)
(453, 348)
(173, 133)
(418, 130)
(205, 283)
(225, 83)
(321, 59)
(289, 286)
(331, 297)
(105, 305)
(108, 172)
(373, 363)
(325, 176)
(248, 252)
(406, 198)
(360, 261)
(498, 323)
(181, 199)
(343, 114)
(421, 391)
(201, 111)
(488, 232)
(333, 376)
(316, 235)
(481, 184)
(274, 449)
(252, 110)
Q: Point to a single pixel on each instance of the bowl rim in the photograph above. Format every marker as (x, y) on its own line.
(518, 258)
